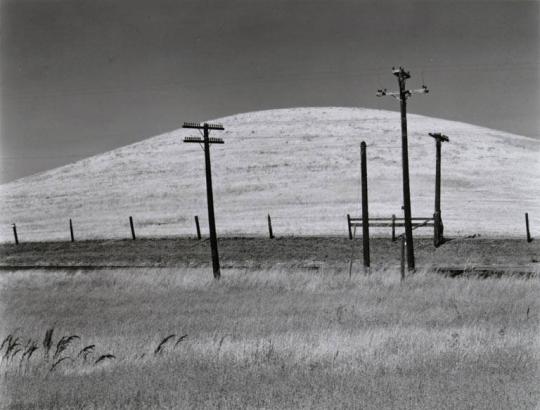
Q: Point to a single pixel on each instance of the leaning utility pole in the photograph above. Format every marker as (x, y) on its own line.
(402, 96)
(206, 141)
(439, 228)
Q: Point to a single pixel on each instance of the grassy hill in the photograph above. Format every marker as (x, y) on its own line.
(301, 165)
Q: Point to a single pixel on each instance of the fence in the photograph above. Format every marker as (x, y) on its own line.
(129, 227)
(138, 227)
(392, 222)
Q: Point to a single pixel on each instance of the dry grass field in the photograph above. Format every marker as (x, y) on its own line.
(268, 338)
(315, 252)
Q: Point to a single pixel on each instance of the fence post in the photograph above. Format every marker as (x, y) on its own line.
(435, 230)
(132, 228)
(198, 227)
(15, 234)
(529, 238)
(402, 258)
(71, 230)
(393, 227)
(349, 225)
(270, 232)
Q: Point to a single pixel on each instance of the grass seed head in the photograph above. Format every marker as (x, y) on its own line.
(161, 346)
(12, 345)
(8, 339)
(85, 351)
(105, 357)
(180, 339)
(47, 341)
(31, 348)
(63, 344)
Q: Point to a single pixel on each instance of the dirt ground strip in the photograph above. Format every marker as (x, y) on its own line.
(239, 252)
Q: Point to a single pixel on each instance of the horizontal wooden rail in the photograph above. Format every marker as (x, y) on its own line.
(389, 224)
(390, 219)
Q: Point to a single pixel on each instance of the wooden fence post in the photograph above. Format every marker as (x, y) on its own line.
(435, 229)
(529, 238)
(15, 234)
(132, 228)
(71, 230)
(393, 227)
(198, 227)
(349, 225)
(270, 232)
(402, 258)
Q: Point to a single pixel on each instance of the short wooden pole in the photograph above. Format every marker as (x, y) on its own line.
(71, 230)
(365, 214)
(437, 229)
(438, 175)
(402, 258)
(352, 254)
(529, 238)
(15, 234)
(132, 228)
(198, 227)
(270, 232)
(349, 225)
(393, 228)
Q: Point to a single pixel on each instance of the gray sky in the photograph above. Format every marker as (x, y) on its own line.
(79, 77)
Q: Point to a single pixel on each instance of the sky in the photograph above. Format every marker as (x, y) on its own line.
(81, 77)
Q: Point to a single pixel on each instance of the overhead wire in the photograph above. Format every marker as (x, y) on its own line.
(161, 86)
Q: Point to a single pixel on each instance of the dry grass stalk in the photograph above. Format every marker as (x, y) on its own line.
(55, 364)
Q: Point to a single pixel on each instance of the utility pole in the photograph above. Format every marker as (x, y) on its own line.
(402, 97)
(365, 211)
(206, 141)
(438, 225)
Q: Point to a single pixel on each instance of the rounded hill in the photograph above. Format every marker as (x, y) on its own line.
(300, 165)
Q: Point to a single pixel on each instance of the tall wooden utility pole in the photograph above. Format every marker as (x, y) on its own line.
(402, 96)
(365, 212)
(437, 217)
(206, 141)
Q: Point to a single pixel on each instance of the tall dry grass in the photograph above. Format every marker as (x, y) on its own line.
(273, 339)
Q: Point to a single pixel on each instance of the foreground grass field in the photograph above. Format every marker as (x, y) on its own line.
(270, 339)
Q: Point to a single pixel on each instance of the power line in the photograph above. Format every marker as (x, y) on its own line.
(166, 86)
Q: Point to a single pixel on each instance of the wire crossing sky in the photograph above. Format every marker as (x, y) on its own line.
(80, 77)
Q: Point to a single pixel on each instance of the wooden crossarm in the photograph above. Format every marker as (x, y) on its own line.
(200, 126)
(198, 140)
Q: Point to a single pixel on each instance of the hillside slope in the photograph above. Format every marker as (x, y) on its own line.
(301, 165)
